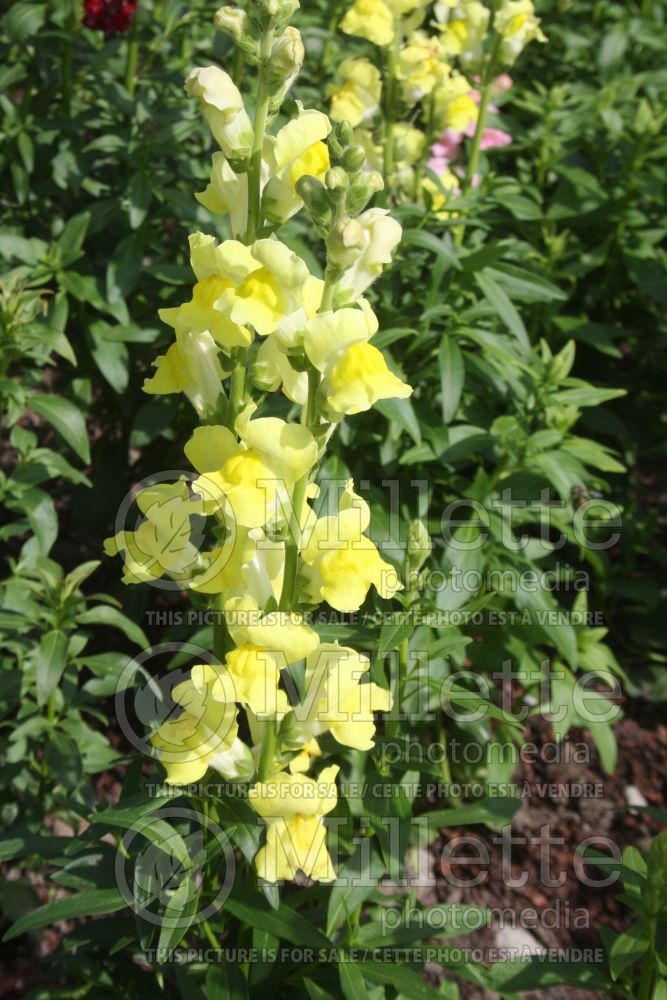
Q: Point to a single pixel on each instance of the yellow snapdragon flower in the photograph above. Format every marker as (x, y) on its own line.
(262, 286)
(293, 806)
(464, 30)
(355, 372)
(191, 366)
(297, 150)
(283, 633)
(455, 107)
(419, 67)
(357, 100)
(223, 108)
(247, 562)
(336, 699)
(517, 24)
(370, 19)
(340, 562)
(205, 734)
(368, 244)
(250, 480)
(272, 370)
(161, 544)
(255, 676)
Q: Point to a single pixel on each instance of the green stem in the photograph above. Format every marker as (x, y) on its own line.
(388, 114)
(237, 389)
(220, 631)
(261, 118)
(394, 725)
(292, 545)
(268, 752)
(646, 981)
(473, 159)
(237, 67)
(208, 931)
(132, 58)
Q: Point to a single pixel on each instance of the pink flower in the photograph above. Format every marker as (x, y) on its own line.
(502, 83)
(494, 138)
(438, 164)
(447, 146)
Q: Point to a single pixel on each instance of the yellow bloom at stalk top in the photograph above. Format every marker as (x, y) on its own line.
(517, 24)
(337, 701)
(356, 374)
(370, 19)
(292, 806)
(161, 544)
(223, 108)
(205, 734)
(250, 480)
(358, 99)
(340, 562)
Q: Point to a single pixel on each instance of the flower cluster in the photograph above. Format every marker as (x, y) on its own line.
(248, 530)
(429, 89)
(113, 17)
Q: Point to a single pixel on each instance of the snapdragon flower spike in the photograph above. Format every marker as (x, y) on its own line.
(258, 319)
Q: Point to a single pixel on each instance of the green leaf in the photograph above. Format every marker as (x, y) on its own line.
(452, 376)
(23, 20)
(104, 614)
(503, 306)
(353, 885)
(63, 758)
(628, 948)
(67, 420)
(140, 193)
(85, 904)
(42, 517)
(401, 412)
(283, 923)
(351, 980)
(71, 239)
(50, 662)
(225, 979)
(401, 978)
(489, 810)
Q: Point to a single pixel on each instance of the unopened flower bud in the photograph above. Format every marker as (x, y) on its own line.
(354, 158)
(236, 23)
(336, 179)
(343, 244)
(419, 546)
(280, 10)
(287, 55)
(362, 189)
(316, 200)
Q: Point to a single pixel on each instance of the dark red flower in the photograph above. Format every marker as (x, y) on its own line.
(113, 17)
